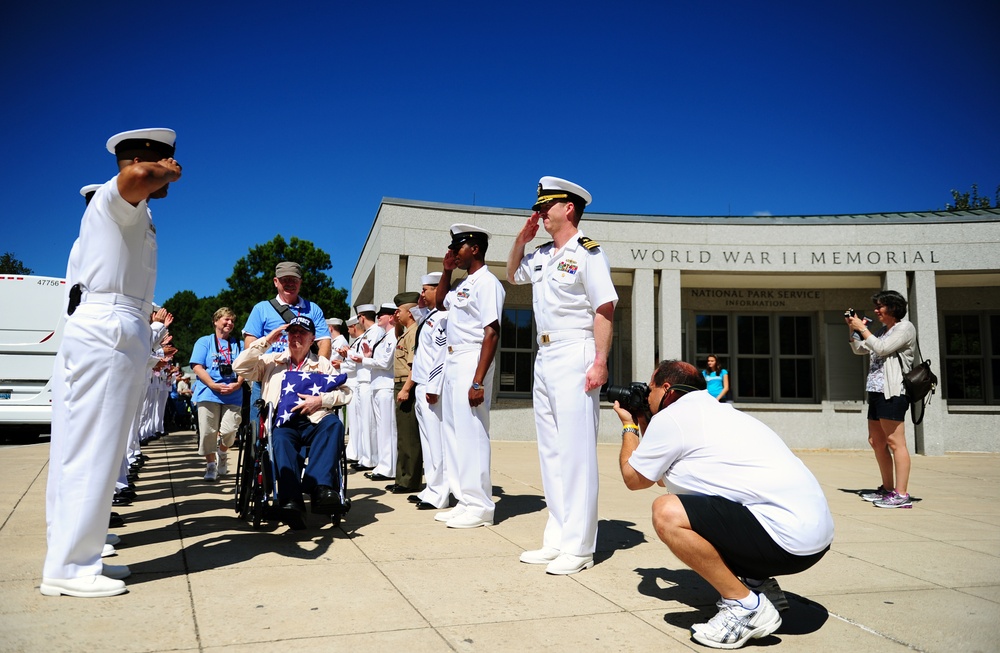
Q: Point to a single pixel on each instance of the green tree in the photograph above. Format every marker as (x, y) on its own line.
(970, 200)
(9, 264)
(192, 320)
(252, 280)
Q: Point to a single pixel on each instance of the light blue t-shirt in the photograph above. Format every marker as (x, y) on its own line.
(714, 381)
(264, 319)
(209, 352)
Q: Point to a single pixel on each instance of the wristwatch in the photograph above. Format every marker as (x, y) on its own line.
(477, 386)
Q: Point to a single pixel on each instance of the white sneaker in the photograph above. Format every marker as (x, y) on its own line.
(84, 587)
(542, 556)
(468, 520)
(450, 514)
(223, 463)
(117, 572)
(108, 551)
(211, 472)
(734, 625)
(567, 563)
(112, 539)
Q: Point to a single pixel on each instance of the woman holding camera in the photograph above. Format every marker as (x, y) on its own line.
(218, 392)
(891, 349)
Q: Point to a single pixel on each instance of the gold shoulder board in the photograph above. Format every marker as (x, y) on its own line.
(588, 244)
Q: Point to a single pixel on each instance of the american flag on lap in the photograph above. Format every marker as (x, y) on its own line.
(304, 383)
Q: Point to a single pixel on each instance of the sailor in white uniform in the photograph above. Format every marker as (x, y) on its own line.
(101, 365)
(366, 446)
(349, 368)
(573, 304)
(378, 360)
(474, 310)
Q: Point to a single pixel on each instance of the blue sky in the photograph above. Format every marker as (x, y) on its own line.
(297, 118)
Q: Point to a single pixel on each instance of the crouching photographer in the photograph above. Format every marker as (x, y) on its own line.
(741, 509)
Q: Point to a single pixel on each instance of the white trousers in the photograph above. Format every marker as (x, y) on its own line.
(432, 449)
(351, 427)
(162, 393)
(467, 434)
(566, 420)
(384, 412)
(364, 429)
(96, 383)
(147, 425)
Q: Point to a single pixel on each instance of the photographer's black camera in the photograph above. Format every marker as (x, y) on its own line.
(849, 313)
(226, 371)
(632, 397)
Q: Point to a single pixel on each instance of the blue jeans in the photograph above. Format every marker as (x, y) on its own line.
(325, 442)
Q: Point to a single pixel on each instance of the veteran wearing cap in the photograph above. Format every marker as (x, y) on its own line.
(474, 309)
(427, 376)
(378, 360)
(573, 301)
(100, 368)
(311, 422)
(409, 466)
(363, 432)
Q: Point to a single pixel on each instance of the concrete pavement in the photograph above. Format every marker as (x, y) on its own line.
(391, 578)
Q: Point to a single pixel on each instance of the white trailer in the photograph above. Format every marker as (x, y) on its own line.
(32, 309)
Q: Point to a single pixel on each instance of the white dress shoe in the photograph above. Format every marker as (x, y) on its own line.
(450, 514)
(83, 587)
(112, 539)
(108, 551)
(117, 572)
(468, 520)
(542, 556)
(568, 563)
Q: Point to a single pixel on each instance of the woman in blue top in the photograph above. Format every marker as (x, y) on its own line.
(716, 378)
(218, 392)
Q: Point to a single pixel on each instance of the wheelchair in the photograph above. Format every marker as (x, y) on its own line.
(257, 488)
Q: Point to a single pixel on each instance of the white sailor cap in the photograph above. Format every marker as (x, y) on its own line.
(432, 279)
(554, 188)
(387, 308)
(335, 321)
(352, 321)
(461, 233)
(158, 140)
(365, 308)
(89, 188)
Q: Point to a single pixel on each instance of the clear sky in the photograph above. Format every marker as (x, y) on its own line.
(298, 117)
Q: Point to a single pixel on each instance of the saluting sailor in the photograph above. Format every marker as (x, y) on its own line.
(573, 303)
(474, 309)
(100, 370)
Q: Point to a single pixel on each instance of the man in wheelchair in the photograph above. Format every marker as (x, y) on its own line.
(298, 384)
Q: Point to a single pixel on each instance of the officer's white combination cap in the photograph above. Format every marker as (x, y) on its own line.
(554, 188)
(432, 279)
(464, 231)
(89, 188)
(158, 139)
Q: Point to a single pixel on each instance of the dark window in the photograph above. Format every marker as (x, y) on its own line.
(972, 358)
(517, 345)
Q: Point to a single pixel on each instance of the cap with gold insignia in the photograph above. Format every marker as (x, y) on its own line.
(159, 141)
(404, 298)
(432, 279)
(554, 188)
(461, 233)
(387, 308)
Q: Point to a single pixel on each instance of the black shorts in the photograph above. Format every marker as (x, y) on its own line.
(745, 547)
(893, 408)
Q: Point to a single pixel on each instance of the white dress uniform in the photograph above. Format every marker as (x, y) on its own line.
(349, 368)
(567, 286)
(98, 377)
(475, 303)
(366, 448)
(428, 375)
(380, 365)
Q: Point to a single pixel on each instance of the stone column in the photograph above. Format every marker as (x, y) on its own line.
(931, 435)
(643, 330)
(670, 315)
(386, 278)
(416, 267)
(895, 280)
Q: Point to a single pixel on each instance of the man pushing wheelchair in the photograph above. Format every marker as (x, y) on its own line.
(304, 390)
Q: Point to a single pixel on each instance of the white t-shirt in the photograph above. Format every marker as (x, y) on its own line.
(700, 446)
(473, 305)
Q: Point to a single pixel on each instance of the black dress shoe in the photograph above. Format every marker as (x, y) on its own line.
(116, 521)
(326, 500)
(120, 501)
(351, 461)
(423, 505)
(391, 487)
(413, 498)
(399, 489)
(293, 514)
(372, 476)
(144, 457)
(127, 493)
(361, 468)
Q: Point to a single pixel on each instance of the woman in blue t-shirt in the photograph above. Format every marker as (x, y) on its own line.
(716, 378)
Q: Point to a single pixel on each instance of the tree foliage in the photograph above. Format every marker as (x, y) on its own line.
(970, 200)
(10, 264)
(252, 281)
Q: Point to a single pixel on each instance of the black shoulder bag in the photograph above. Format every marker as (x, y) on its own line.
(287, 314)
(920, 384)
